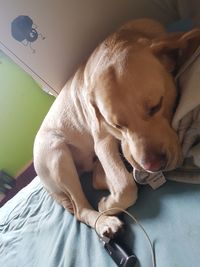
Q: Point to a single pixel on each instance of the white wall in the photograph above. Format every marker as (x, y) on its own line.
(72, 29)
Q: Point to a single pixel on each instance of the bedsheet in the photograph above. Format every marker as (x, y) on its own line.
(37, 232)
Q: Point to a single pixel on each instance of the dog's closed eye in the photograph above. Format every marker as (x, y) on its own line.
(118, 126)
(154, 109)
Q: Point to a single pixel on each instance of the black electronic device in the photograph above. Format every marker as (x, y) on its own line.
(121, 257)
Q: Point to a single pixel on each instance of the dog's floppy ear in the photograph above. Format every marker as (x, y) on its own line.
(175, 47)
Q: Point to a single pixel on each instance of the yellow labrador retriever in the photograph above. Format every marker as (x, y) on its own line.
(124, 94)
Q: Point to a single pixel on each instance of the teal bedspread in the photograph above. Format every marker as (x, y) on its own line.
(36, 232)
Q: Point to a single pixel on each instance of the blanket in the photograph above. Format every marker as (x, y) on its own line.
(186, 122)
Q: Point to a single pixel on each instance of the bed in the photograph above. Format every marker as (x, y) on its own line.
(36, 231)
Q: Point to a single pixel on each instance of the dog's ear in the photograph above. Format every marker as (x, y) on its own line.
(175, 48)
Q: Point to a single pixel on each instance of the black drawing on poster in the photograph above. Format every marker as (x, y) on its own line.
(25, 31)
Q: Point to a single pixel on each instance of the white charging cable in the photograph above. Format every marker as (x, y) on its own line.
(135, 221)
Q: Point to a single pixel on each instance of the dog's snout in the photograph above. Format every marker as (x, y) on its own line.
(154, 162)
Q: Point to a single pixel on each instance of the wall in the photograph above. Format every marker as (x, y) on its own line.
(23, 106)
(70, 30)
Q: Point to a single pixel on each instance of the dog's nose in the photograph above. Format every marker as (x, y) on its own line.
(154, 162)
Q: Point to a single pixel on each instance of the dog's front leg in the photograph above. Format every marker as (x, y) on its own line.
(123, 189)
(55, 166)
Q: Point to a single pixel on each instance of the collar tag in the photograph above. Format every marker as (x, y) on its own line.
(155, 180)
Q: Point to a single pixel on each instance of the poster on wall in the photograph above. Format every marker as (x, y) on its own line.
(51, 39)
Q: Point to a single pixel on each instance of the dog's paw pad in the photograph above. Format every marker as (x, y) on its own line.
(108, 226)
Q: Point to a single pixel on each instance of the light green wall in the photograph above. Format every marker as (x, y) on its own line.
(23, 106)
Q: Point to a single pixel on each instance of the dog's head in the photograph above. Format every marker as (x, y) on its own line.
(134, 96)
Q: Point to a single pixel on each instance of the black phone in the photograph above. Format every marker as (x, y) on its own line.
(121, 257)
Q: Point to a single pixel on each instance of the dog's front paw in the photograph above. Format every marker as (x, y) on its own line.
(107, 203)
(108, 226)
(123, 201)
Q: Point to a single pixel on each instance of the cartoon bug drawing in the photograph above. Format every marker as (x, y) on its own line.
(25, 31)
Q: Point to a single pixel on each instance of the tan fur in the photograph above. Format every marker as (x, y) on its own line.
(111, 99)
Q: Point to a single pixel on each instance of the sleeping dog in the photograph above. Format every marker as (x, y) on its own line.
(124, 94)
